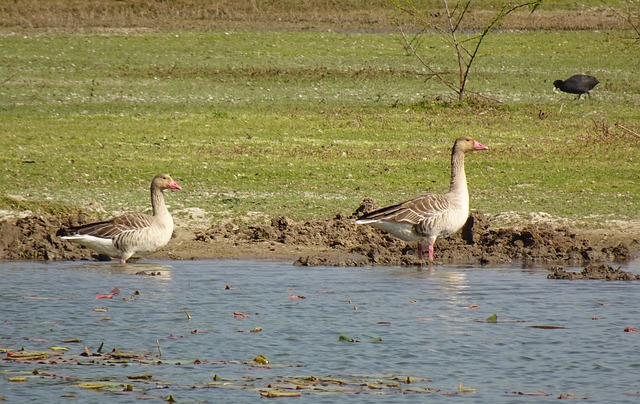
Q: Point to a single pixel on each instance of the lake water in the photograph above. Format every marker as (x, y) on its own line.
(423, 326)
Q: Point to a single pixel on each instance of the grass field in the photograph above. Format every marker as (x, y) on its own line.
(308, 123)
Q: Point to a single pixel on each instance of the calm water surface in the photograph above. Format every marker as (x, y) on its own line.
(425, 318)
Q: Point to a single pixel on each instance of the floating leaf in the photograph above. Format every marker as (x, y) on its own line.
(531, 393)
(545, 327)
(140, 377)
(187, 313)
(201, 331)
(59, 348)
(466, 389)
(492, 318)
(110, 295)
(276, 394)
(18, 379)
(69, 341)
(92, 385)
(260, 359)
(344, 338)
(100, 309)
(26, 355)
(124, 355)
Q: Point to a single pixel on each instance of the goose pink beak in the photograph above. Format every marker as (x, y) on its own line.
(479, 146)
(174, 185)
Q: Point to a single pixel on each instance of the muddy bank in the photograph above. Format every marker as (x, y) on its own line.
(338, 241)
(593, 271)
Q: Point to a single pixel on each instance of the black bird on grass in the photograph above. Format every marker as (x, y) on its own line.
(577, 84)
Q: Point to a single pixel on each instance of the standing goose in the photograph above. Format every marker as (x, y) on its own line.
(432, 215)
(576, 84)
(126, 235)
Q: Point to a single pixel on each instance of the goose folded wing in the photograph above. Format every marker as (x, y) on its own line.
(115, 226)
(425, 208)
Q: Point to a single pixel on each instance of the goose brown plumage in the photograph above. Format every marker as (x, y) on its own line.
(133, 233)
(430, 216)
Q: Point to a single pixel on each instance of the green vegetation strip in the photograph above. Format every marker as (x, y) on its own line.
(307, 124)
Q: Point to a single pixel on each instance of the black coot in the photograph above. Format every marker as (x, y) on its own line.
(577, 84)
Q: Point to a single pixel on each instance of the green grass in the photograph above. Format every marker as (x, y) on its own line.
(307, 124)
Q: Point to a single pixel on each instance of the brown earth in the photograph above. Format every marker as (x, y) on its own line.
(308, 15)
(338, 241)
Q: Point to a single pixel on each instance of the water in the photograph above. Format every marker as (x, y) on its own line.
(428, 332)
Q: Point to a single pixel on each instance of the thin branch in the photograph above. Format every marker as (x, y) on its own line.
(502, 14)
(461, 15)
(454, 19)
(624, 128)
(425, 64)
(628, 18)
(456, 46)
(8, 78)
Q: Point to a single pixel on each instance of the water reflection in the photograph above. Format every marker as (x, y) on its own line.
(158, 270)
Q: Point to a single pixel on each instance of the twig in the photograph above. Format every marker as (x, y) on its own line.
(636, 134)
(8, 78)
(159, 349)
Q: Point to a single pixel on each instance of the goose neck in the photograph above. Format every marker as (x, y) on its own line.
(157, 202)
(458, 177)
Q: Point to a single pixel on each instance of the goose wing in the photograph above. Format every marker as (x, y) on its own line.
(114, 227)
(424, 211)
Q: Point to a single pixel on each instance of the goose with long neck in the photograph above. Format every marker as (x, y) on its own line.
(430, 216)
(133, 233)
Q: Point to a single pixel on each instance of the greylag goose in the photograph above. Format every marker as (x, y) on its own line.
(431, 215)
(576, 84)
(133, 233)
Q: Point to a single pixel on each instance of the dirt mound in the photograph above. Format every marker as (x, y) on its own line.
(354, 245)
(34, 238)
(594, 271)
(337, 241)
